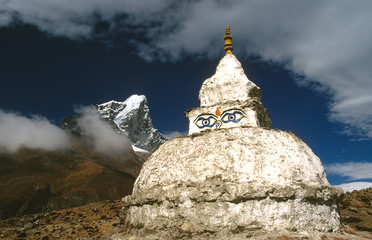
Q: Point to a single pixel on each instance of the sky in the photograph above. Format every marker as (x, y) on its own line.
(312, 60)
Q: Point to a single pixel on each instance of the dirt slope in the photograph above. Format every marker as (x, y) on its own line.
(33, 181)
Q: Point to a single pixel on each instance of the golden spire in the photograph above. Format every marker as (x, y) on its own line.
(228, 44)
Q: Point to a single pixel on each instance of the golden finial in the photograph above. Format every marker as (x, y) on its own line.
(228, 44)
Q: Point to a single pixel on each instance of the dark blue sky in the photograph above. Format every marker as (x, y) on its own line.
(48, 74)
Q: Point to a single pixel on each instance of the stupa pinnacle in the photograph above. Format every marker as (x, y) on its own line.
(228, 44)
(232, 176)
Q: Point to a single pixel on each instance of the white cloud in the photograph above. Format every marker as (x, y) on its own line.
(170, 135)
(349, 187)
(37, 132)
(352, 170)
(103, 137)
(326, 42)
(74, 18)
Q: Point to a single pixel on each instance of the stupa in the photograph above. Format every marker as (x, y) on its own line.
(231, 177)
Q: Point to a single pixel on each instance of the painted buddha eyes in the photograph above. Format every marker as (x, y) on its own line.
(205, 121)
(235, 116)
(209, 120)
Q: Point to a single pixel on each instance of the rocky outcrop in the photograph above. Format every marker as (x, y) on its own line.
(132, 117)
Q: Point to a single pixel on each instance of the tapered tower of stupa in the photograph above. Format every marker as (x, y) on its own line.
(228, 98)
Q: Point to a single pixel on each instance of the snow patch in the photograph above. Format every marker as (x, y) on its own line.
(141, 153)
(137, 149)
(133, 102)
(107, 103)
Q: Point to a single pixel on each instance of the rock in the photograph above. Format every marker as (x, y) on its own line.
(352, 209)
(22, 235)
(28, 225)
(56, 234)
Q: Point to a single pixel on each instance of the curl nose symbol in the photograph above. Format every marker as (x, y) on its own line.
(218, 124)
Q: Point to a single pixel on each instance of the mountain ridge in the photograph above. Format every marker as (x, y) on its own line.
(130, 118)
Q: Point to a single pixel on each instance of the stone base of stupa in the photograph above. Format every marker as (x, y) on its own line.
(229, 183)
(345, 234)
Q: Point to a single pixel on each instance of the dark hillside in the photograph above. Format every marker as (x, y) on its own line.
(33, 181)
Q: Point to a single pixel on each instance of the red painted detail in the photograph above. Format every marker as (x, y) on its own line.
(218, 113)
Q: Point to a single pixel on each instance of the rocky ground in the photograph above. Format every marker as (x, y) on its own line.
(356, 210)
(92, 221)
(104, 220)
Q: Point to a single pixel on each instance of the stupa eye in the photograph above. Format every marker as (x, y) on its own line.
(232, 116)
(205, 121)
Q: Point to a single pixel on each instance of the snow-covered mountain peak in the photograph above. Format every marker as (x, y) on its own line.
(132, 117)
(132, 103)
